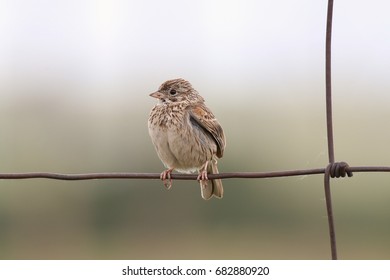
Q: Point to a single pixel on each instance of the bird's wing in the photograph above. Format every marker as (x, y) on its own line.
(205, 118)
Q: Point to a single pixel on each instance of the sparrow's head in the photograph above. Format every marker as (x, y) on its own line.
(177, 90)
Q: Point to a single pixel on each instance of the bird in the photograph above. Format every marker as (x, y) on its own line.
(186, 135)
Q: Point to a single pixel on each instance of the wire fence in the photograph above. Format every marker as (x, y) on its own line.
(337, 170)
(332, 170)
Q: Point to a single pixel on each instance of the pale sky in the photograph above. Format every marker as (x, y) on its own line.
(110, 42)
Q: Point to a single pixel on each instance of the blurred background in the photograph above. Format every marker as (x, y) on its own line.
(74, 83)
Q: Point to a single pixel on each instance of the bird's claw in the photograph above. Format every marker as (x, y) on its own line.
(165, 176)
(202, 177)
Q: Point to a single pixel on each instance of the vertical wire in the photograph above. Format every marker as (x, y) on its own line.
(329, 124)
(328, 81)
(328, 199)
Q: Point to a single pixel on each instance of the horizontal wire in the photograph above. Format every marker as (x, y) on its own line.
(227, 175)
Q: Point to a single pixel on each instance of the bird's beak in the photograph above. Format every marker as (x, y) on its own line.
(157, 94)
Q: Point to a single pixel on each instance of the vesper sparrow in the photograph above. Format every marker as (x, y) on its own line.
(186, 135)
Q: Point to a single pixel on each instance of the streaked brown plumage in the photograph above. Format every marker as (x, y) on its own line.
(186, 135)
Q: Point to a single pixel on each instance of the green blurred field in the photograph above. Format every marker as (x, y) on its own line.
(281, 218)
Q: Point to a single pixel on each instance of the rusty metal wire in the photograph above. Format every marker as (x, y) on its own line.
(329, 126)
(332, 170)
(328, 80)
(335, 172)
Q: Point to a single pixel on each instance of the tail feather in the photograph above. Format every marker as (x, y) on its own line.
(215, 188)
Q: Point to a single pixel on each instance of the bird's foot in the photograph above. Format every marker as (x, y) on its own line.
(202, 177)
(165, 176)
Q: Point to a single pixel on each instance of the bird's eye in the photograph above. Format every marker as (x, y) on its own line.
(172, 92)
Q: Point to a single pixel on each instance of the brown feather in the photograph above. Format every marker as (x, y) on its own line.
(205, 118)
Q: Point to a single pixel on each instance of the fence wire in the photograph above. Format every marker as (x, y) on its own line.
(335, 172)
(329, 128)
(332, 170)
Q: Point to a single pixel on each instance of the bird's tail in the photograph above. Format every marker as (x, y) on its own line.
(213, 187)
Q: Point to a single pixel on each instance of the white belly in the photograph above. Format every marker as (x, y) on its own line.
(184, 151)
